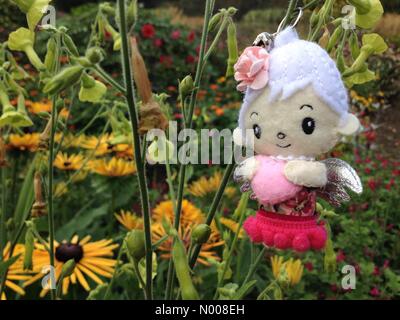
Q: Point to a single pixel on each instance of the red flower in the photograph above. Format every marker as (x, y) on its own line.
(367, 170)
(166, 60)
(386, 264)
(370, 136)
(190, 59)
(340, 256)
(396, 172)
(375, 292)
(148, 31)
(191, 36)
(309, 266)
(158, 42)
(372, 184)
(376, 271)
(175, 35)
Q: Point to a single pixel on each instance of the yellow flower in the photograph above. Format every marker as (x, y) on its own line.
(69, 140)
(93, 259)
(277, 263)
(64, 161)
(190, 217)
(292, 270)
(190, 213)
(101, 144)
(232, 225)
(230, 192)
(41, 106)
(29, 141)
(15, 271)
(204, 186)
(221, 80)
(60, 189)
(64, 113)
(123, 150)
(129, 220)
(113, 168)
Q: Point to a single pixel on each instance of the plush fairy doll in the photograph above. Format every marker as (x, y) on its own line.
(295, 109)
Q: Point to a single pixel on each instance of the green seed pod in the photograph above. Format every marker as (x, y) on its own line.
(66, 78)
(69, 43)
(131, 14)
(330, 265)
(68, 268)
(336, 36)
(186, 86)
(341, 64)
(182, 269)
(233, 52)
(354, 46)
(107, 9)
(201, 233)
(50, 59)
(29, 247)
(95, 55)
(314, 18)
(135, 244)
(215, 21)
(232, 11)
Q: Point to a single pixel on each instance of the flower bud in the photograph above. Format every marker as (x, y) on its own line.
(232, 11)
(68, 268)
(186, 86)
(215, 21)
(95, 55)
(65, 79)
(233, 52)
(135, 244)
(201, 233)
(330, 265)
(334, 39)
(69, 43)
(50, 60)
(29, 247)
(107, 9)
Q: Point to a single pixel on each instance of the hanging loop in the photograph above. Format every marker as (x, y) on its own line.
(299, 16)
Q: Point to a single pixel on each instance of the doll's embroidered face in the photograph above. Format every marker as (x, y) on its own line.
(302, 125)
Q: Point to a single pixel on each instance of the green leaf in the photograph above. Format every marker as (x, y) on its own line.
(371, 18)
(4, 265)
(244, 290)
(36, 12)
(142, 267)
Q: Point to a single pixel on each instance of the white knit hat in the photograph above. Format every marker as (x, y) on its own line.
(295, 64)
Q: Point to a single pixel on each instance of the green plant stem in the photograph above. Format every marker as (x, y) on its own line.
(268, 288)
(310, 4)
(139, 277)
(230, 254)
(106, 77)
(253, 267)
(3, 238)
(111, 283)
(130, 97)
(51, 191)
(213, 208)
(289, 13)
(188, 124)
(12, 248)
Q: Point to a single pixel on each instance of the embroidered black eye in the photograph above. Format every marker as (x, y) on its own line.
(308, 125)
(257, 131)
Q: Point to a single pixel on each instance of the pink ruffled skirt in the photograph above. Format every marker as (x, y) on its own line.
(286, 232)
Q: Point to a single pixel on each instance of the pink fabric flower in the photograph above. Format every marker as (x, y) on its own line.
(251, 70)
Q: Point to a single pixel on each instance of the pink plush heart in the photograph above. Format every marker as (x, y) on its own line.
(270, 184)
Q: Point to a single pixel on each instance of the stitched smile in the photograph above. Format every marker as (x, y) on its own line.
(284, 147)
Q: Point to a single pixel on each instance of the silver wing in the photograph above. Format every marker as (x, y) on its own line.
(341, 176)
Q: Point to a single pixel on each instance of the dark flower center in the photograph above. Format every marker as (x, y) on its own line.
(68, 251)
(67, 163)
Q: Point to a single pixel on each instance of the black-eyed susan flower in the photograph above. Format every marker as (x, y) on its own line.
(232, 225)
(291, 270)
(191, 216)
(64, 161)
(26, 142)
(93, 259)
(129, 220)
(102, 145)
(38, 107)
(112, 168)
(204, 186)
(15, 271)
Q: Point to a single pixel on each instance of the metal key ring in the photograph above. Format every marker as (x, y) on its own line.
(300, 9)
